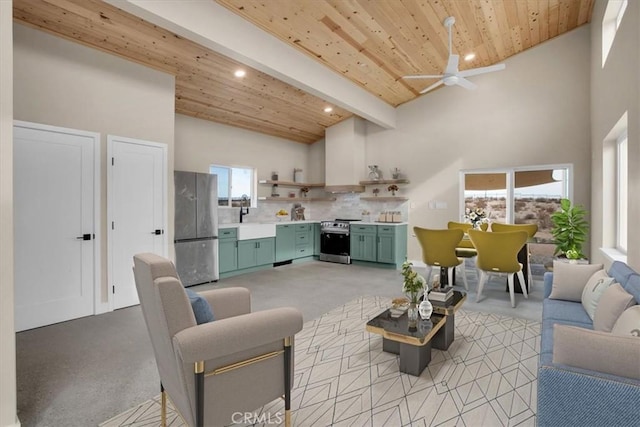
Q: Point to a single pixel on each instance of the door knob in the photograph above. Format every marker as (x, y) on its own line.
(157, 232)
(84, 237)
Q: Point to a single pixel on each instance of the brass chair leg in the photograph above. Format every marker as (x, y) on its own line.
(163, 408)
(287, 382)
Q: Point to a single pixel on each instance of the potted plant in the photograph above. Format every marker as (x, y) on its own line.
(569, 230)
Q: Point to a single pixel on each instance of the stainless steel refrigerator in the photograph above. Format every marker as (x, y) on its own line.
(196, 227)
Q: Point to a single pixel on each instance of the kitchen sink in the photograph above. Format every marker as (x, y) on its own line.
(256, 231)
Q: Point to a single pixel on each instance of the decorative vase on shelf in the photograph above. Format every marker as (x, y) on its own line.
(374, 173)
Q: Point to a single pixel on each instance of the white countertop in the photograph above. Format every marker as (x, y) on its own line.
(395, 224)
(238, 224)
(307, 221)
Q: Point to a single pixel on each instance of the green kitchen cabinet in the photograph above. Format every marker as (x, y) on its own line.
(316, 239)
(227, 250)
(390, 244)
(363, 242)
(256, 252)
(381, 244)
(285, 242)
(304, 240)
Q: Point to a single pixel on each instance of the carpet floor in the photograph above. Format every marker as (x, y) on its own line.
(487, 377)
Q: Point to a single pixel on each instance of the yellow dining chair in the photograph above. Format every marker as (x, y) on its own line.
(465, 248)
(439, 250)
(531, 230)
(498, 254)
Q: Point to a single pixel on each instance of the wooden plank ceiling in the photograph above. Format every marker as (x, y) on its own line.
(371, 42)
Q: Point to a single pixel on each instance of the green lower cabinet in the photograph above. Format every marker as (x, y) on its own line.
(316, 239)
(363, 243)
(228, 255)
(285, 242)
(255, 252)
(380, 244)
(392, 244)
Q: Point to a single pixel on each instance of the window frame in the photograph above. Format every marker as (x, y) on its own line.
(510, 184)
(611, 21)
(622, 191)
(253, 197)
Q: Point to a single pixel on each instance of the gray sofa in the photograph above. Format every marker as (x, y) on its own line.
(573, 396)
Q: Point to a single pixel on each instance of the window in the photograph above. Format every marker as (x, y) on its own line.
(615, 191)
(621, 192)
(523, 195)
(610, 23)
(235, 185)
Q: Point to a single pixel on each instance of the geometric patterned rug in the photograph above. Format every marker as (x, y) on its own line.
(487, 377)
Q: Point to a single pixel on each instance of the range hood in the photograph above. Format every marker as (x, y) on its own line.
(344, 156)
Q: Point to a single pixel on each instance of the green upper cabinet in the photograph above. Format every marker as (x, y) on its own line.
(255, 252)
(285, 242)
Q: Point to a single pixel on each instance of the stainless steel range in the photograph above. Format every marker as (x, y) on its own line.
(335, 245)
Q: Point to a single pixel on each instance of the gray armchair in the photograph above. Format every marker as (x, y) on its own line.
(237, 363)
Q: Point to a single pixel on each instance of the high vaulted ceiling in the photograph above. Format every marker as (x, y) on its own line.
(371, 43)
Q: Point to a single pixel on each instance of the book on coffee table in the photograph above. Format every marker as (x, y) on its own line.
(442, 294)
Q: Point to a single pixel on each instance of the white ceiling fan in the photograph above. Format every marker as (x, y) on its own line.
(452, 76)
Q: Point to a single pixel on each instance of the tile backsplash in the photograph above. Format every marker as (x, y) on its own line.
(348, 206)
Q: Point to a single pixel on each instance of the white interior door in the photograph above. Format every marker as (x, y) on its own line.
(137, 210)
(55, 224)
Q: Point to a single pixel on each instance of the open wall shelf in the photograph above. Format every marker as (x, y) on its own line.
(385, 181)
(290, 184)
(297, 199)
(385, 199)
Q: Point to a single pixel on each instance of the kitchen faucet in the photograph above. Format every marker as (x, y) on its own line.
(244, 212)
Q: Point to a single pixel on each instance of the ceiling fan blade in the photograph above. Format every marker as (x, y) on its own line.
(452, 64)
(466, 83)
(423, 76)
(481, 70)
(433, 86)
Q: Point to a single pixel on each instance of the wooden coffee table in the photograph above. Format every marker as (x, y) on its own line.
(414, 344)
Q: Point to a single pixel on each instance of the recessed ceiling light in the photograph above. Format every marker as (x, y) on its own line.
(328, 109)
(469, 56)
(240, 73)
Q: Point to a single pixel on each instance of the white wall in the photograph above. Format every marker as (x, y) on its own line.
(61, 83)
(8, 393)
(200, 143)
(614, 90)
(533, 113)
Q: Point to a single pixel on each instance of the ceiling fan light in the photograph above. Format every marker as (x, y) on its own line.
(450, 80)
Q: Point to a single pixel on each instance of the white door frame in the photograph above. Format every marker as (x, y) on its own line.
(98, 305)
(111, 139)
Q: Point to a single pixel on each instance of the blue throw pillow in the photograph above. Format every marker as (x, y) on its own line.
(201, 308)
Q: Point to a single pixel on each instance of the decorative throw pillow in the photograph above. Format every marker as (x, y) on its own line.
(201, 308)
(628, 323)
(593, 290)
(569, 280)
(613, 302)
(596, 351)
